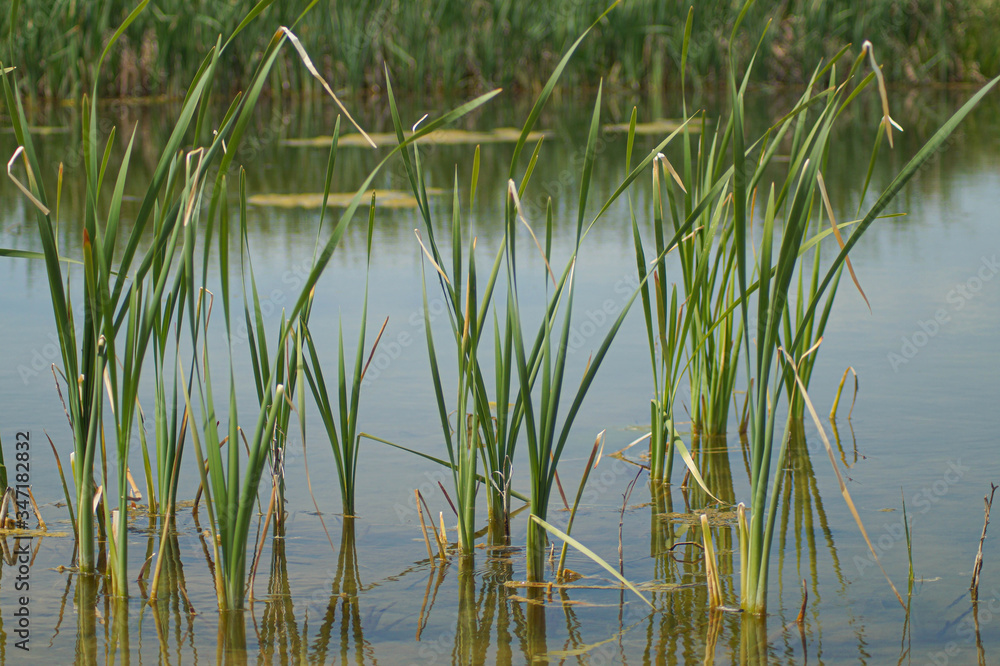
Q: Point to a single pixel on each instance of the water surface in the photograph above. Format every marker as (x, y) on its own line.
(923, 429)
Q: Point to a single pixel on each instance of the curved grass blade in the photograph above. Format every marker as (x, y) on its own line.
(555, 531)
(443, 463)
(833, 462)
(550, 85)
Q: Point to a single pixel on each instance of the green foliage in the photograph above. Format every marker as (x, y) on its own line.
(428, 43)
(781, 325)
(761, 296)
(341, 423)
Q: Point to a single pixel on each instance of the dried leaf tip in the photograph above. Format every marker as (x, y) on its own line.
(668, 168)
(430, 257)
(31, 180)
(312, 70)
(887, 120)
(512, 191)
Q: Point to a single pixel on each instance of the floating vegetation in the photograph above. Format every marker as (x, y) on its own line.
(662, 126)
(446, 137)
(716, 517)
(386, 199)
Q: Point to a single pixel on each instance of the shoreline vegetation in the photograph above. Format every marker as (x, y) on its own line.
(463, 47)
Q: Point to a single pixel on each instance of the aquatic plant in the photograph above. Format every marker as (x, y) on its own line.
(472, 435)
(706, 257)
(122, 297)
(225, 487)
(493, 434)
(341, 421)
(771, 294)
(141, 299)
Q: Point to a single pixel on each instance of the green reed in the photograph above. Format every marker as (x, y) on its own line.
(545, 360)
(482, 430)
(811, 122)
(528, 371)
(666, 327)
(121, 298)
(708, 263)
(689, 331)
(775, 279)
(133, 299)
(468, 47)
(230, 494)
(473, 435)
(341, 421)
(802, 510)
(130, 299)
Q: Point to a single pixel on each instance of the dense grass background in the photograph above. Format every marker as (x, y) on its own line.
(473, 45)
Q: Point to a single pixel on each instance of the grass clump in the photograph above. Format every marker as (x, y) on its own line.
(779, 329)
(765, 294)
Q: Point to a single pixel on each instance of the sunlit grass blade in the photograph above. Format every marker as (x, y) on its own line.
(840, 479)
(589, 553)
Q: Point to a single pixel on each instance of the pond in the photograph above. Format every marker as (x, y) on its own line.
(365, 590)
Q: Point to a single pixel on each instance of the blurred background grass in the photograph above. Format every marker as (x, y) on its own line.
(467, 46)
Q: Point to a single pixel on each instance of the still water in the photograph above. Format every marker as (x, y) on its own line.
(923, 429)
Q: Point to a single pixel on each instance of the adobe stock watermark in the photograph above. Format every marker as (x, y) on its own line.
(967, 631)
(957, 298)
(392, 347)
(21, 597)
(274, 302)
(890, 534)
(600, 319)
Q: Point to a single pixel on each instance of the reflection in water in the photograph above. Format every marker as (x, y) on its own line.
(711, 454)
(86, 619)
(685, 629)
(533, 626)
(980, 649)
(278, 632)
(168, 598)
(478, 614)
(232, 641)
(801, 512)
(495, 622)
(801, 508)
(754, 640)
(343, 611)
(491, 621)
(488, 613)
(281, 636)
(840, 446)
